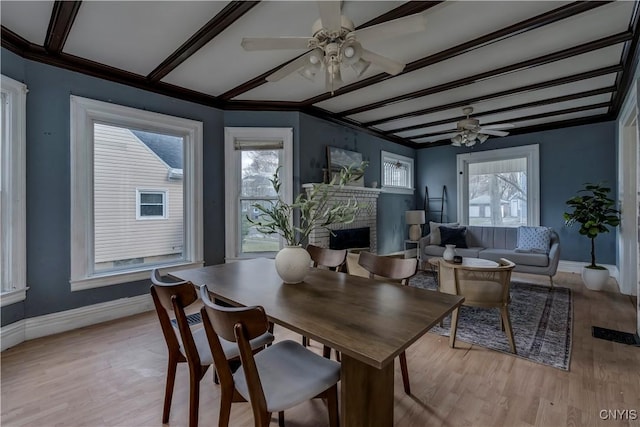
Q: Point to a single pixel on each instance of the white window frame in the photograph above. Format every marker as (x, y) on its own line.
(165, 204)
(13, 235)
(233, 173)
(84, 112)
(386, 156)
(532, 154)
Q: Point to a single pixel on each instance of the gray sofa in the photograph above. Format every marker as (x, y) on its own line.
(493, 243)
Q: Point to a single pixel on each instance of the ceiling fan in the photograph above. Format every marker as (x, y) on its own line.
(468, 131)
(335, 44)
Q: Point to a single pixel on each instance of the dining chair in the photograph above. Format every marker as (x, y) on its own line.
(172, 300)
(397, 269)
(332, 259)
(486, 287)
(273, 380)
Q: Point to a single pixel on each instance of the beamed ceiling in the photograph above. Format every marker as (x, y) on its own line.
(534, 64)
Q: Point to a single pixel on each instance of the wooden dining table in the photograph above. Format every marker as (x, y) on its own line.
(369, 321)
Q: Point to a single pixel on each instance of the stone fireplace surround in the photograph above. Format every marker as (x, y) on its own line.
(367, 215)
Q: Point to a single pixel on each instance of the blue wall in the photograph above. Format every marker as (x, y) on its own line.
(569, 157)
(48, 181)
(316, 134)
(48, 176)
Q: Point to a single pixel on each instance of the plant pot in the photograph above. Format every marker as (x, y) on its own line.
(595, 278)
(292, 264)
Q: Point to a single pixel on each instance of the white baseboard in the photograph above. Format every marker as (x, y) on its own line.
(54, 323)
(12, 335)
(576, 267)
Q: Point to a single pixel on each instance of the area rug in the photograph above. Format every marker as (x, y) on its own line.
(541, 321)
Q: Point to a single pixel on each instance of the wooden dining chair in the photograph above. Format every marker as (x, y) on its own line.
(487, 287)
(332, 259)
(184, 344)
(397, 269)
(273, 380)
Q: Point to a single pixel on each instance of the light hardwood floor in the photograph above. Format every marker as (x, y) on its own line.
(113, 374)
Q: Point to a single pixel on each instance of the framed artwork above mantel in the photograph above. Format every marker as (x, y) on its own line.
(338, 158)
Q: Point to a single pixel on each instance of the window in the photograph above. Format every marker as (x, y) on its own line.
(13, 270)
(397, 173)
(125, 163)
(252, 156)
(499, 187)
(151, 204)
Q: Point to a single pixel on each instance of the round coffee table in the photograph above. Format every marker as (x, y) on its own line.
(466, 262)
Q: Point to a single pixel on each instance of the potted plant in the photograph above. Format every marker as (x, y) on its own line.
(595, 212)
(292, 262)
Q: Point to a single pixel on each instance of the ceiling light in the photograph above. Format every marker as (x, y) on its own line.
(482, 137)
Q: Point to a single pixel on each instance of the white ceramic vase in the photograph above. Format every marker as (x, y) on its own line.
(292, 264)
(449, 252)
(595, 279)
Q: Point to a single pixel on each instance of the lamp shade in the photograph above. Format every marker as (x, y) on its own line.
(414, 217)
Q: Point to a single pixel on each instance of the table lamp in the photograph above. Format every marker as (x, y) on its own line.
(414, 219)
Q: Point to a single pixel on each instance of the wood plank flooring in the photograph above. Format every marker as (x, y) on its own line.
(113, 374)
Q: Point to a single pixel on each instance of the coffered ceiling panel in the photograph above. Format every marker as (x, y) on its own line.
(581, 86)
(536, 64)
(30, 19)
(554, 70)
(132, 36)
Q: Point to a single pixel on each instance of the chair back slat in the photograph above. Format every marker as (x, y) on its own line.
(240, 325)
(388, 267)
(333, 259)
(174, 297)
(224, 319)
(185, 292)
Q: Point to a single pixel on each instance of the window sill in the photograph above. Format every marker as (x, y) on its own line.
(12, 297)
(116, 278)
(396, 190)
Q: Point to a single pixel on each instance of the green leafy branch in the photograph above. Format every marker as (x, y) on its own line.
(315, 212)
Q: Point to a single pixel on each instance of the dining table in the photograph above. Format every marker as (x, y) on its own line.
(369, 321)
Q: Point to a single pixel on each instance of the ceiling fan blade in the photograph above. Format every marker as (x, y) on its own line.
(397, 27)
(494, 132)
(388, 65)
(498, 126)
(330, 15)
(272, 43)
(289, 68)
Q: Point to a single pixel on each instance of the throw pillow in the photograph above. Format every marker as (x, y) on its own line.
(434, 230)
(534, 239)
(453, 236)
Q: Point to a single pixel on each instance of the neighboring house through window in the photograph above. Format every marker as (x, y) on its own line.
(499, 187)
(123, 223)
(252, 156)
(397, 173)
(13, 271)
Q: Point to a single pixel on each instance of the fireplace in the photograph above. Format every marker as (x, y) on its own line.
(351, 238)
(365, 221)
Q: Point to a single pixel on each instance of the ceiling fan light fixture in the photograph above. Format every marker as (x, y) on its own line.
(316, 56)
(482, 137)
(457, 140)
(308, 72)
(350, 52)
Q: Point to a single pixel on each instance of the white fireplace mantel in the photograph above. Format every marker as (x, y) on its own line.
(347, 188)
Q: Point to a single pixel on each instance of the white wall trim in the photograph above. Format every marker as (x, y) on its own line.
(233, 169)
(576, 267)
(54, 323)
(84, 113)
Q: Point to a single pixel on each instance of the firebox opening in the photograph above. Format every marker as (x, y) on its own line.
(353, 238)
